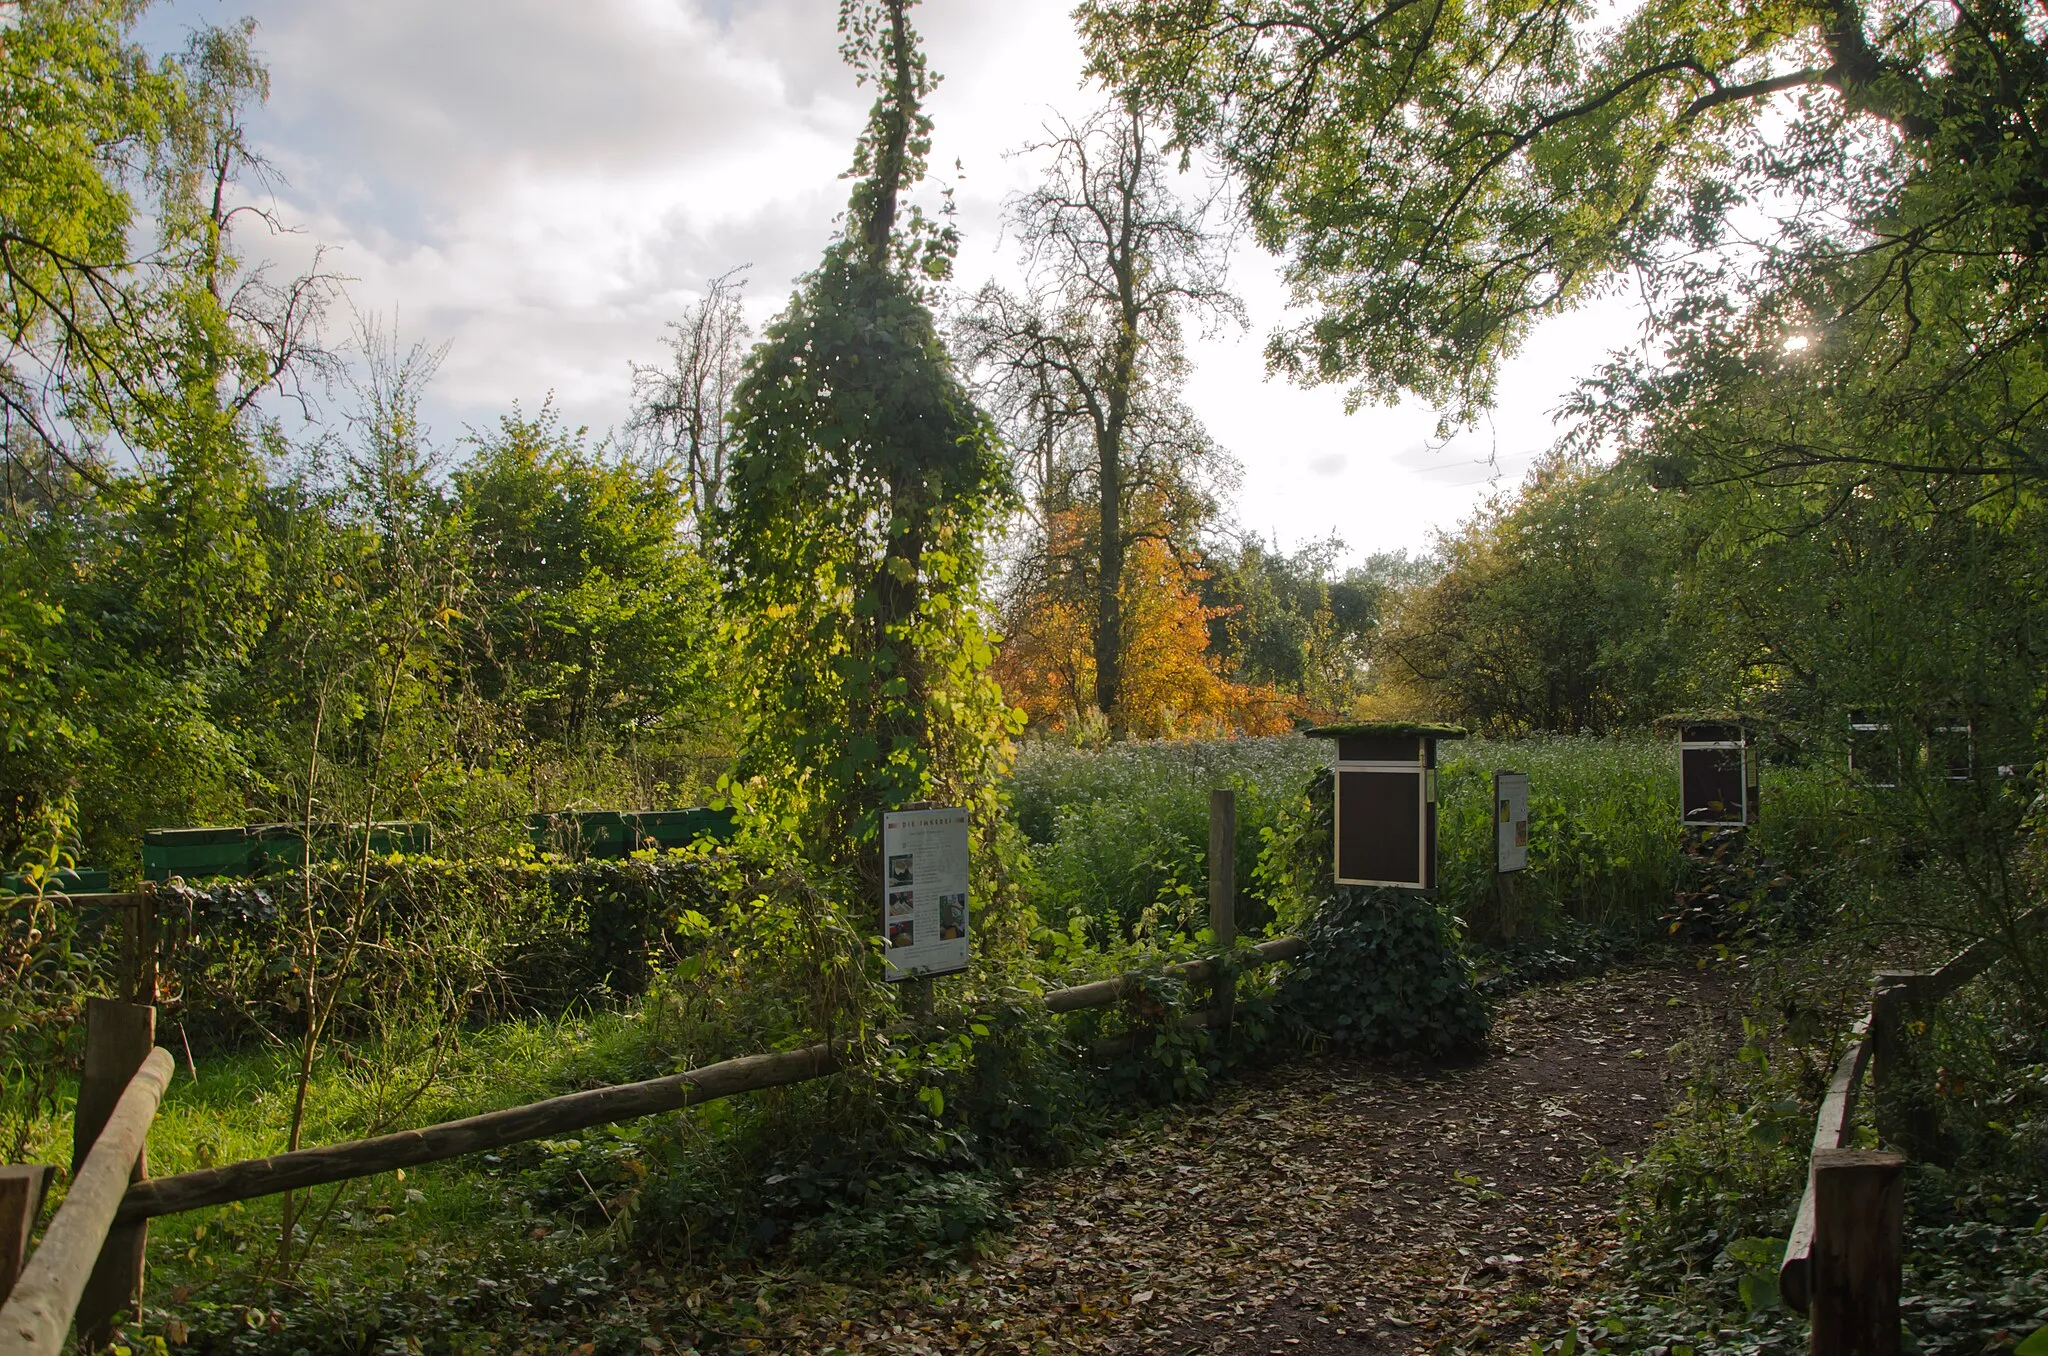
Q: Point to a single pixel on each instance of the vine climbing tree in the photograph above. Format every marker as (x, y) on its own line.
(863, 487)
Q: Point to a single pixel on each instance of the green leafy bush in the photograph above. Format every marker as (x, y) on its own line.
(1603, 835)
(510, 934)
(1383, 976)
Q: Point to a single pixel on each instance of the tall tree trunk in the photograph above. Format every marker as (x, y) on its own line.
(1109, 577)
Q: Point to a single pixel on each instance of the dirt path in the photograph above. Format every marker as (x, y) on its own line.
(1325, 1207)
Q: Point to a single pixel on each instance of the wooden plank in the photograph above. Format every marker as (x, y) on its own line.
(118, 1038)
(557, 1115)
(492, 1130)
(1858, 1252)
(1975, 959)
(1103, 992)
(1830, 1128)
(22, 1188)
(38, 1314)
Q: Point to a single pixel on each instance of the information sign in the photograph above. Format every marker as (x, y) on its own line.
(1510, 821)
(924, 892)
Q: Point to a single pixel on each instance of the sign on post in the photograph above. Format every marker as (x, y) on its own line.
(1386, 802)
(924, 892)
(1510, 821)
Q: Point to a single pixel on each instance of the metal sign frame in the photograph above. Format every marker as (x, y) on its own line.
(1943, 744)
(1859, 724)
(924, 892)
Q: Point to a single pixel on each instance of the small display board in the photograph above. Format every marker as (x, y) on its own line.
(1510, 821)
(924, 892)
(1952, 750)
(1386, 802)
(1873, 754)
(1717, 784)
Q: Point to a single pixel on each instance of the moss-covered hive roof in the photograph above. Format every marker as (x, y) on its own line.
(1387, 729)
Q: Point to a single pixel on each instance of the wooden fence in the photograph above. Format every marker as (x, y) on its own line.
(90, 1270)
(1844, 1259)
(1841, 1265)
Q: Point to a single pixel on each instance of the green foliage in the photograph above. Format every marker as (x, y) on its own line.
(863, 486)
(1119, 838)
(430, 935)
(1554, 611)
(1289, 621)
(594, 611)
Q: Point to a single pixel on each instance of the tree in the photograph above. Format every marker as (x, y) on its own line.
(681, 410)
(137, 346)
(862, 489)
(594, 611)
(1086, 364)
(1175, 685)
(1556, 612)
(1289, 622)
(1442, 176)
(68, 283)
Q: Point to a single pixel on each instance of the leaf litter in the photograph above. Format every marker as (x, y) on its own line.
(1331, 1205)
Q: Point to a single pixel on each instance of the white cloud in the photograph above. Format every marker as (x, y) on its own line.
(545, 185)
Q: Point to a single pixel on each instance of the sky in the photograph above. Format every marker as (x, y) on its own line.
(542, 186)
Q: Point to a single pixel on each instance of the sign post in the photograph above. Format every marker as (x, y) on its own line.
(924, 892)
(1386, 802)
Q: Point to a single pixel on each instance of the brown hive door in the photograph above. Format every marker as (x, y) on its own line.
(1379, 827)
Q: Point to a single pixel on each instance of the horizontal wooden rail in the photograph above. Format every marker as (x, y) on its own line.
(1980, 956)
(1882, 1035)
(560, 1115)
(1830, 1132)
(452, 1139)
(1103, 992)
(38, 1313)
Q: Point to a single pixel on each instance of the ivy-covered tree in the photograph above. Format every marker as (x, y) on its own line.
(862, 488)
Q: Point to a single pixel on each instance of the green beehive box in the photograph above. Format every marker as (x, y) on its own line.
(250, 850)
(82, 881)
(578, 834)
(680, 828)
(220, 851)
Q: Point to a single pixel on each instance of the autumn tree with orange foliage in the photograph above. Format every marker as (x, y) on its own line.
(1172, 686)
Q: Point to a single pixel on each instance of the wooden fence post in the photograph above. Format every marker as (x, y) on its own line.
(118, 1038)
(1223, 898)
(1859, 1213)
(1901, 1099)
(22, 1188)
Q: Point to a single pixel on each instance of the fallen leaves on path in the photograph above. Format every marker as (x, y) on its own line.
(1328, 1206)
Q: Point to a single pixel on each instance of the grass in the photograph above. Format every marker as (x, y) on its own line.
(373, 1231)
(1121, 837)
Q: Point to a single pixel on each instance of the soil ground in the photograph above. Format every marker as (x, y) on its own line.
(1330, 1206)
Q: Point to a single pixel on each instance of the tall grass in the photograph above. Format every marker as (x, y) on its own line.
(1603, 834)
(1121, 837)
